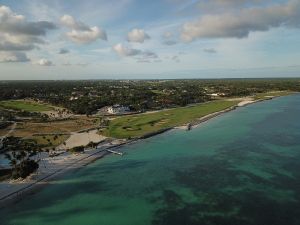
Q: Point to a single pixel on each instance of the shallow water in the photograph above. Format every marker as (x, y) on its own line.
(241, 168)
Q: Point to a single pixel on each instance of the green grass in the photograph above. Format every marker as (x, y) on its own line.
(25, 105)
(267, 95)
(138, 125)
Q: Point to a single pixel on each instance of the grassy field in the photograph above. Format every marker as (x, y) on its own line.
(267, 95)
(25, 105)
(27, 129)
(138, 125)
(50, 140)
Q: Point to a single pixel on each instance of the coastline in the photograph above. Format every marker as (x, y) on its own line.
(16, 191)
(12, 192)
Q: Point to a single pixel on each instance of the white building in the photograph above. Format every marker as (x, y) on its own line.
(217, 94)
(118, 109)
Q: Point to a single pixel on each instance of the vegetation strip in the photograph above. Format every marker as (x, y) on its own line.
(25, 105)
(140, 125)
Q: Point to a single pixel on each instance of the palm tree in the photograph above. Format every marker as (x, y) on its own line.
(13, 163)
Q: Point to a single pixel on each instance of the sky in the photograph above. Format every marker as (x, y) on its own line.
(143, 39)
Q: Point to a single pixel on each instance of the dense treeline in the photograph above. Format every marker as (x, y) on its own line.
(86, 97)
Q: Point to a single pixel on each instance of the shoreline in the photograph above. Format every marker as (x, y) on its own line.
(12, 192)
(21, 189)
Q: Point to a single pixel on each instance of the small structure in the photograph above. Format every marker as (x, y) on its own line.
(115, 109)
(217, 95)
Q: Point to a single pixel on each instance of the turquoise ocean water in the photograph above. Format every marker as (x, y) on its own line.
(241, 168)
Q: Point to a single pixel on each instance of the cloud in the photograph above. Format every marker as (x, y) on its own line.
(82, 64)
(210, 50)
(143, 61)
(125, 51)
(169, 38)
(13, 57)
(66, 64)
(16, 24)
(147, 57)
(137, 35)
(222, 5)
(169, 42)
(45, 62)
(175, 58)
(9, 46)
(18, 34)
(63, 51)
(167, 35)
(141, 56)
(102, 50)
(71, 23)
(81, 33)
(241, 24)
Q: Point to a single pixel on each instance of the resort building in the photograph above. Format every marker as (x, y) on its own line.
(115, 109)
(118, 109)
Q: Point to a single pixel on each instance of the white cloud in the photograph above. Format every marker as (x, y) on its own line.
(240, 24)
(45, 62)
(137, 35)
(81, 33)
(13, 57)
(18, 34)
(71, 23)
(167, 35)
(124, 51)
(168, 38)
(141, 56)
(14, 24)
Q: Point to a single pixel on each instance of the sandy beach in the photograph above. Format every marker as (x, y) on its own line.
(50, 169)
(81, 139)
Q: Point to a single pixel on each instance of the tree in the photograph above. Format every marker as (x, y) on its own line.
(20, 153)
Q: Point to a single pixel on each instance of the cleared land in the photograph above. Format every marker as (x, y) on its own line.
(82, 139)
(50, 140)
(51, 134)
(139, 125)
(25, 105)
(25, 129)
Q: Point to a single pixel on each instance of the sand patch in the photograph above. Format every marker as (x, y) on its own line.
(82, 139)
